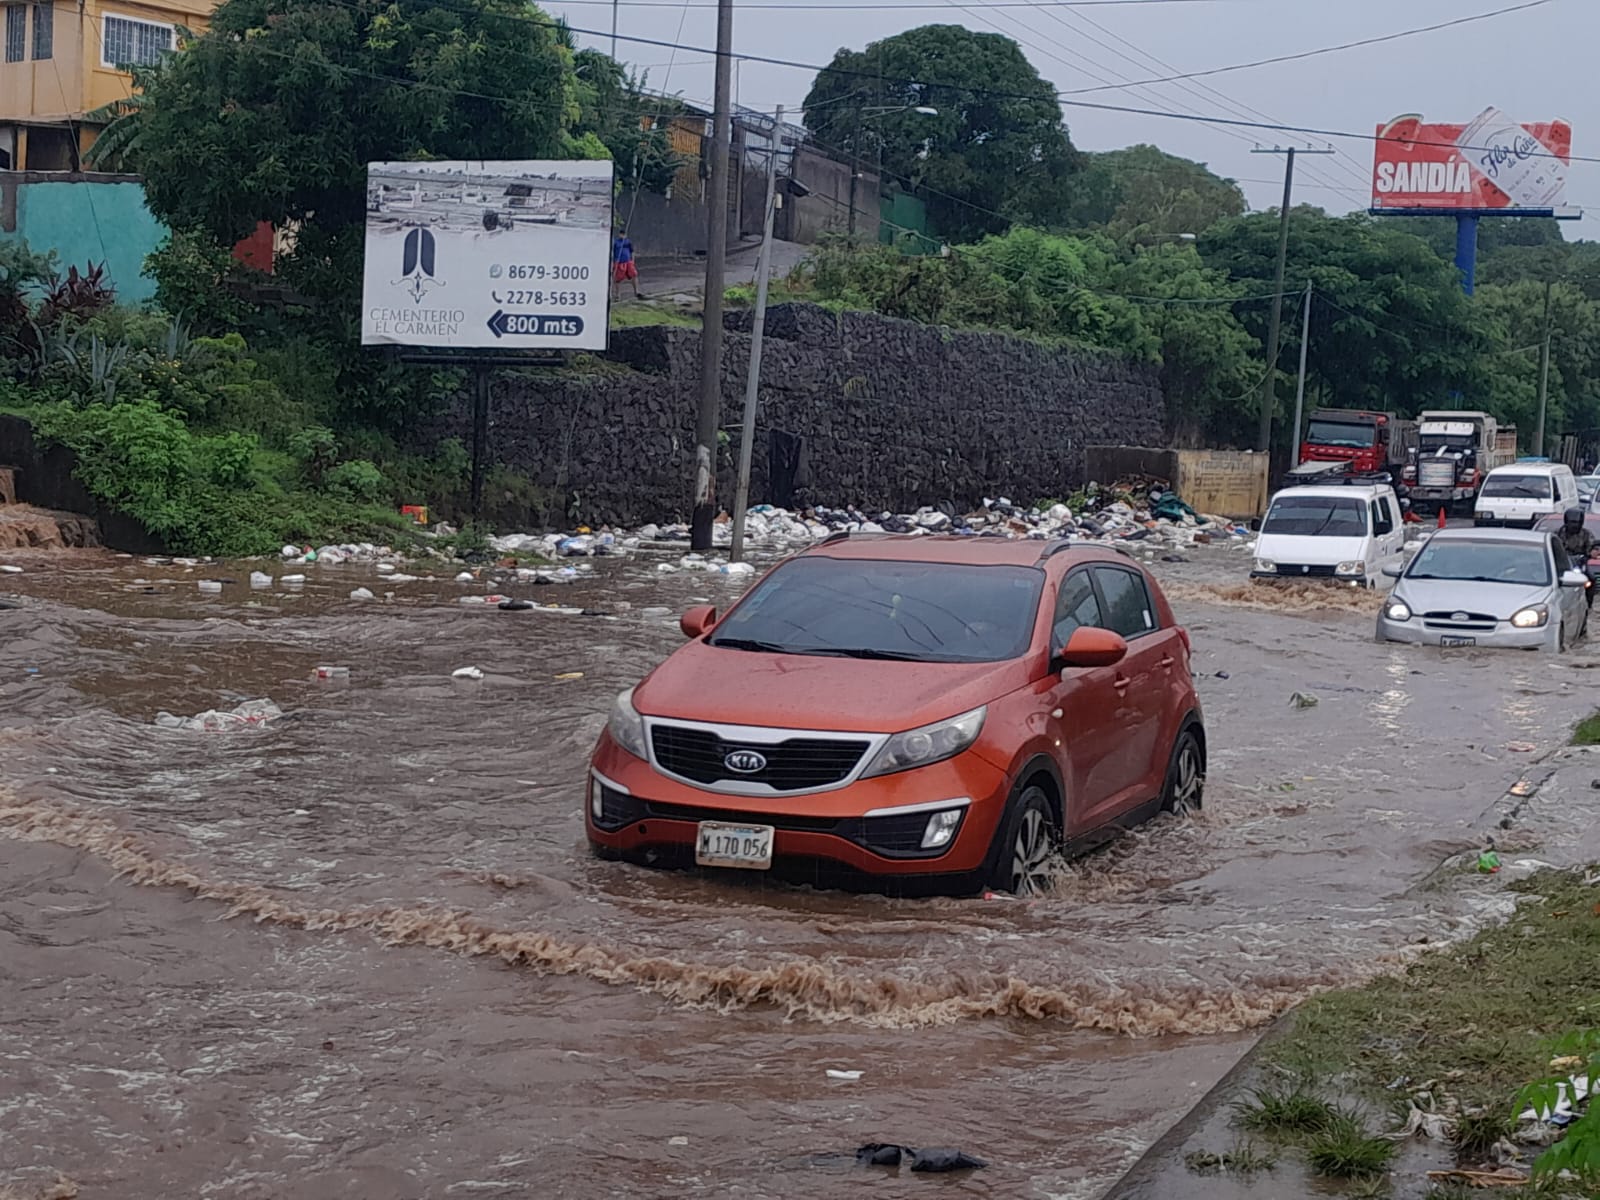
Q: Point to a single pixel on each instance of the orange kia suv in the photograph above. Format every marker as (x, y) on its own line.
(952, 710)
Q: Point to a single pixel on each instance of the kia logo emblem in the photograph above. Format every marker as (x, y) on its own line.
(745, 762)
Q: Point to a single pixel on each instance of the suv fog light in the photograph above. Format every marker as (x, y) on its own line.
(941, 828)
(1531, 618)
(597, 802)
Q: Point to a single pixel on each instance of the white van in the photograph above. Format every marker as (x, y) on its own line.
(1523, 492)
(1336, 533)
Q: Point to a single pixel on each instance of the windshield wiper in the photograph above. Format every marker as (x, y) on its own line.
(868, 652)
(753, 645)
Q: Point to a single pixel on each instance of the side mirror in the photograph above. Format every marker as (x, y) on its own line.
(1092, 648)
(698, 621)
(1393, 570)
(1574, 579)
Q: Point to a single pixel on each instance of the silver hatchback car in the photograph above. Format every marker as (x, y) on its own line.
(1488, 587)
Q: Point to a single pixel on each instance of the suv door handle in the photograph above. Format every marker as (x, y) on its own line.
(1121, 683)
(1168, 661)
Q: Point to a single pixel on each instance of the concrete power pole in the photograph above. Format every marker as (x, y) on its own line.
(1544, 377)
(1300, 386)
(706, 421)
(758, 326)
(1269, 386)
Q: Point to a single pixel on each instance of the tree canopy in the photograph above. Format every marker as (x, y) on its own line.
(1142, 192)
(993, 151)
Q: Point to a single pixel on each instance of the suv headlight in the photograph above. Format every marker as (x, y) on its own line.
(1266, 564)
(1351, 568)
(1531, 618)
(1398, 610)
(626, 726)
(930, 744)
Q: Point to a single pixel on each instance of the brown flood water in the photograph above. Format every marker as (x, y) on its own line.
(363, 951)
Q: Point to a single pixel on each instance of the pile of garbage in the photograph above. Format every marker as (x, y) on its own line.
(1137, 509)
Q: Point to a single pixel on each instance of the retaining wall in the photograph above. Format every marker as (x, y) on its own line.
(893, 415)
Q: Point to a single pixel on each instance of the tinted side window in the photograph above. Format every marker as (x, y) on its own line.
(1128, 609)
(1076, 607)
(1380, 518)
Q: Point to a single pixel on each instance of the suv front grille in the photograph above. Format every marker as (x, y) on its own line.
(795, 765)
(1301, 571)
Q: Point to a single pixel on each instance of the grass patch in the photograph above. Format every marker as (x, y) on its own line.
(1477, 1130)
(631, 314)
(1343, 1149)
(1475, 1022)
(1587, 732)
(1243, 1159)
(1289, 1112)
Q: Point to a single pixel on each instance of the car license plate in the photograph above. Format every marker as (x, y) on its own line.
(745, 846)
(1458, 641)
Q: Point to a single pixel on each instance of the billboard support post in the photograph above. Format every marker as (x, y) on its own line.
(1544, 376)
(1467, 250)
(1300, 384)
(480, 433)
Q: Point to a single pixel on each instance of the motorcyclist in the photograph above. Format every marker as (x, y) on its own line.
(1579, 543)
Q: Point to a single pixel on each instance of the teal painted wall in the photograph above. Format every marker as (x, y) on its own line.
(86, 221)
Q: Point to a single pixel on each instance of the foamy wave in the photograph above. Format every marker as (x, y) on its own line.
(807, 989)
(60, 1188)
(1276, 597)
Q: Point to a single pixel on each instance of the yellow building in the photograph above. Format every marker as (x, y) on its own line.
(64, 60)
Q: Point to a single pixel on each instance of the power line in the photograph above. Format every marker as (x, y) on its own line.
(1372, 41)
(915, 6)
(1062, 97)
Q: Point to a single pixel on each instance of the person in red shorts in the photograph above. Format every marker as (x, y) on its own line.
(623, 268)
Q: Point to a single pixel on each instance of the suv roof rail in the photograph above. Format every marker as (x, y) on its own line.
(1053, 548)
(837, 536)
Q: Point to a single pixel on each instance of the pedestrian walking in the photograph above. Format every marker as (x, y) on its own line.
(623, 267)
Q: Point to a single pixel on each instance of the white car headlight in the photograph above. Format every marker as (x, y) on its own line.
(626, 726)
(1531, 618)
(1398, 610)
(1351, 568)
(930, 744)
(1266, 564)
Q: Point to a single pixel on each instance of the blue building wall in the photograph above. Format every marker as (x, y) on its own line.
(84, 218)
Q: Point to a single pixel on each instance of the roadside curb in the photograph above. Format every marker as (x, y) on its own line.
(1138, 1182)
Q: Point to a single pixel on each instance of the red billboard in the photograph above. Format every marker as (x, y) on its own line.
(1492, 164)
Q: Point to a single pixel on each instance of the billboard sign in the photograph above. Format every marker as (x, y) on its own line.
(502, 255)
(1492, 165)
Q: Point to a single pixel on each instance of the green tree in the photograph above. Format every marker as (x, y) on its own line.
(284, 102)
(1142, 192)
(994, 150)
(1391, 328)
(1515, 316)
(612, 105)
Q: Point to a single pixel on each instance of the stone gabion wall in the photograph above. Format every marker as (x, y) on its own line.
(895, 415)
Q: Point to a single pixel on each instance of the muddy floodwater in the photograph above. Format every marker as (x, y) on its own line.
(363, 952)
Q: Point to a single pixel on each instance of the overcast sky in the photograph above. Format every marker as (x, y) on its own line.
(1535, 65)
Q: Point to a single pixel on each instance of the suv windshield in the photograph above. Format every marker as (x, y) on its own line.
(1518, 487)
(1319, 516)
(1484, 562)
(868, 608)
(1339, 433)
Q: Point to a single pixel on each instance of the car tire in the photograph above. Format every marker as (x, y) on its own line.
(1185, 786)
(1029, 839)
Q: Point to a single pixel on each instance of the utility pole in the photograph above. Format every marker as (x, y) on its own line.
(1269, 388)
(706, 420)
(758, 326)
(614, 5)
(1544, 376)
(1300, 387)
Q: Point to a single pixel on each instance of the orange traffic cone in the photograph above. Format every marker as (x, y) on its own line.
(1441, 516)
